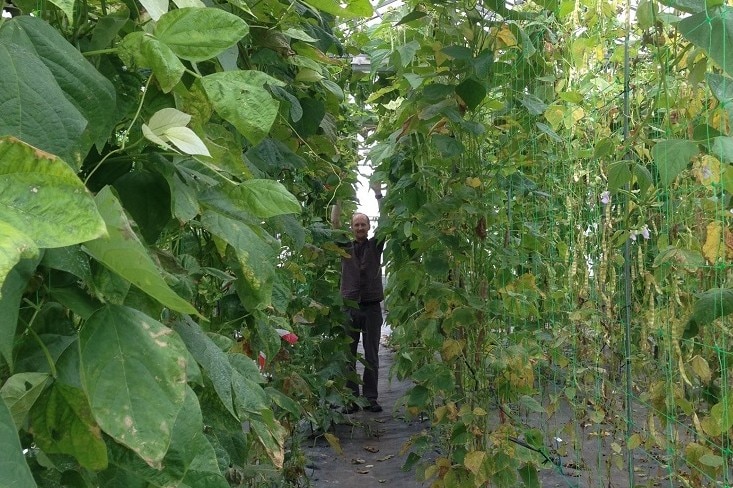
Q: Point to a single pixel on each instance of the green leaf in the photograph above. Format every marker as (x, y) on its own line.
(447, 146)
(14, 472)
(419, 396)
(671, 157)
(712, 30)
(90, 92)
(604, 147)
(533, 104)
(198, 34)
(528, 473)
(407, 52)
(646, 13)
(146, 197)
(471, 92)
(142, 50)
(14, 284)
(123, 253)
(690, 6)
(34, 107)
(14, 245)
(265, 198)
(643, 177)
(190, 462)
(212, 359)
(240, 97)
(712, 304)
(722, 148)
(20, 392)
(254, 256)
(62, 423)
(351, 9)
(619, 175)
(191, 459)
(42, 195)
(414, 15)
(722, 88)
(133, 369)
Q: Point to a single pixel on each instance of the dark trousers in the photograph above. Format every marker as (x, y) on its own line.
(366, 321)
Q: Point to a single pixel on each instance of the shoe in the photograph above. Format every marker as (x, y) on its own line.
(350, 408)
(374, 407)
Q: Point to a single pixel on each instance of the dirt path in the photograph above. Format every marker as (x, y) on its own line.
(371, 442)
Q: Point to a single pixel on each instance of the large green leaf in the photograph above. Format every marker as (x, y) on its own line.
(350, 9)
(14, 471)
(690, 6)
(81, 83)
(198, 34)
(712, 30)
(13, 285)
(191, 458)
(264, 198)
(254, 257)
(20, 392)
(190, 462)
(34, 108)
(133, 369)
(145, 51)
(212, 359)
(62, 423)
(42, 195)
(240, 97)
(123, 253)
(671, 157)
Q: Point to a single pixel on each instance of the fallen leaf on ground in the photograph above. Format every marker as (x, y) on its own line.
(357, 461)
(371, 449)
(385, 458)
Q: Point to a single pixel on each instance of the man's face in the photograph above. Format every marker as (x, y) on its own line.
(360, 227)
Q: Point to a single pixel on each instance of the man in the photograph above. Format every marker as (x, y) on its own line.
(361, 282)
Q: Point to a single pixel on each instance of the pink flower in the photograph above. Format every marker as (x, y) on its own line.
(287, 336)
(261, 360)
(645, 232)
(606, 197)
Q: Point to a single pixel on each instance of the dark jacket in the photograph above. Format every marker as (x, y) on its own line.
(361, 272)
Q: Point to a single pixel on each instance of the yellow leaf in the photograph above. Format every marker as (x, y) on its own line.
(473, 182)
(707, 170)
(554, 115)
(506, 37)
(334, 442)
(451, 348)
(713, 249)
(633, 442)
(701, 368)
(474, 460)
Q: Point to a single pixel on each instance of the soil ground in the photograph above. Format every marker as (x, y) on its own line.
(372, 443)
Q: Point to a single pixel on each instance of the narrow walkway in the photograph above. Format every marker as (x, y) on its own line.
(372, 443)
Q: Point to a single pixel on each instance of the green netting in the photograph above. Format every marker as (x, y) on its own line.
(560, 238)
